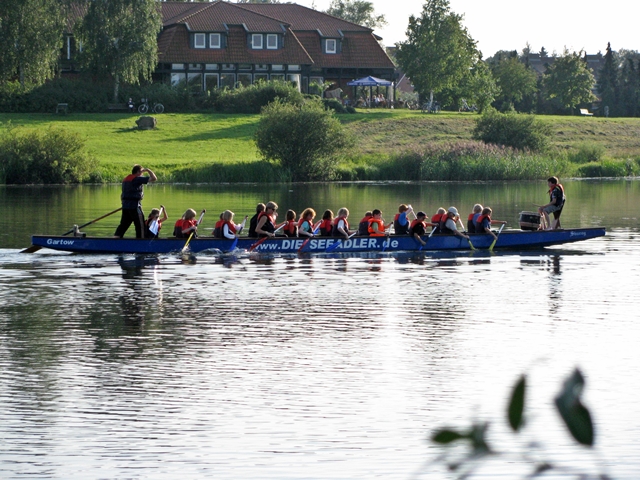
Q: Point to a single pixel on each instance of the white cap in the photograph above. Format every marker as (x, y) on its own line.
(454, 210)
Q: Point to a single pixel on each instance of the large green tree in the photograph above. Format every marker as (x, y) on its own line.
(31, 33)
(515, 80)
(438, 51)
(360, 12)
(608, 82)
(569, 81)
(119, 38)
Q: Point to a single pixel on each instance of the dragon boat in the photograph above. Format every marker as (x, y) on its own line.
(508, 239)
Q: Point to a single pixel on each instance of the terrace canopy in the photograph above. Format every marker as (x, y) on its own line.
(371, 82)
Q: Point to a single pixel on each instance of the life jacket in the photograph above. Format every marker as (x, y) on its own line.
(290, 228)
(301, 222)
(230, 225)
(188, 224)
(436, 220)
(414, 224)
(217, 229)
(131, 191)
(326, 228)
(148, 233)
(478, 223)
(471, 226)
(363, 226)
(336, 222)
(177, 228)
(398, 228)
(270, 224)
(442, 226)
(550, 192)
(380, 231)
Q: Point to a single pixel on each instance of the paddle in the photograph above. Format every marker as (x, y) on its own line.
(192, 232)
(433, 229)
(496, 239)
(314, 231)
(335, 245)
(35, 248)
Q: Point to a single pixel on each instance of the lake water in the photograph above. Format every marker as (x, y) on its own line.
(313, 367)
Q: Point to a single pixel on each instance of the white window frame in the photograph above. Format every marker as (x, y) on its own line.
(216, 44)
(331, 41)
(202, 37)
(254, 44)
(277, 68)
(272, 36)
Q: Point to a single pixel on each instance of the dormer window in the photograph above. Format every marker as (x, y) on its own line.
(256, 41)
(272, 41)
(199, 40)
(214, 40)
(331, 45)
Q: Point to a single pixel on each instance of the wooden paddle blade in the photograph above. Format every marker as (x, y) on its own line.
(31, 249)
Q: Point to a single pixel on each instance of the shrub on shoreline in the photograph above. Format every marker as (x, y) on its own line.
(51, 157)
(515, 130)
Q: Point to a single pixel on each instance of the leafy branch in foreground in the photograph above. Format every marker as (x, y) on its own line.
(568, 402)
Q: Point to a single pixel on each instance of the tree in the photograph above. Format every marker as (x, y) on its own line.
(608, 83)
(569, 81)
(482, 86)
(31, 33)
(305, 140)
(119, 38)
(356, 11)
(438, 51)
(515, 80)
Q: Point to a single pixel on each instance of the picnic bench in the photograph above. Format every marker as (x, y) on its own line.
(584, 111)
(62, 108)
(113, 107)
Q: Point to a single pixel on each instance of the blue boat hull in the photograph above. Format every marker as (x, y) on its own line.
(509, 239)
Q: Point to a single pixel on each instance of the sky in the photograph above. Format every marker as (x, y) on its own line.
(509, 24)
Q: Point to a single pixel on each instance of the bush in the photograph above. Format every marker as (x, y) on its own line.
(306, 140)
(253, 98)
(54, 156)
(514, 130)
(335, 105)
(587, 153)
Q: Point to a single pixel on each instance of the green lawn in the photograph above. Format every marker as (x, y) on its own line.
(196, 139)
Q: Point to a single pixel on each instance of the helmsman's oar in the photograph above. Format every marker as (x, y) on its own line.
(35, 248)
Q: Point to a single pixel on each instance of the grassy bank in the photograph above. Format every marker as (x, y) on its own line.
(390, 145)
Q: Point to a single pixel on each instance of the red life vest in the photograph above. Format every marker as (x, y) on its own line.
(326, 227)
(336, 233)
(437, 218)
(417, 222)
(380, 231)
(550, 192)
(232, 227)
(290, 227)
(478, 223)
(270, 224)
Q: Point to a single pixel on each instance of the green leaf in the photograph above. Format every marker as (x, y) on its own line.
(575, 415)
(445, 436)
(516, 405)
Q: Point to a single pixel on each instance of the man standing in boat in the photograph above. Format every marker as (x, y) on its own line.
(555, 205)
(132, 193)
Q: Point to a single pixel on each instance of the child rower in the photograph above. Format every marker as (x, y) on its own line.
(230, 230)
(484, 222)
(153, 224)
(363, 226)
(376, 224)
(340, 224)
(326, 226)
(305, 224)
(473, 217)
(189, 224)
(290, 228)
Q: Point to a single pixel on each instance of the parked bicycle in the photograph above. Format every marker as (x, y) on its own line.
(431, 107)
(145, 107)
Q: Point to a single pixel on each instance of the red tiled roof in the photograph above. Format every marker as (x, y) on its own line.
(359, 50)
(217, 16)
(303, 18)
(173, 47)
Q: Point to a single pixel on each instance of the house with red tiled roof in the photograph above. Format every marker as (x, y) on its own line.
(208, 45)
(222, 44)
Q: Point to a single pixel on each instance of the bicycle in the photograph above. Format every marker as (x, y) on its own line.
(155, 108)
(431, 108)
